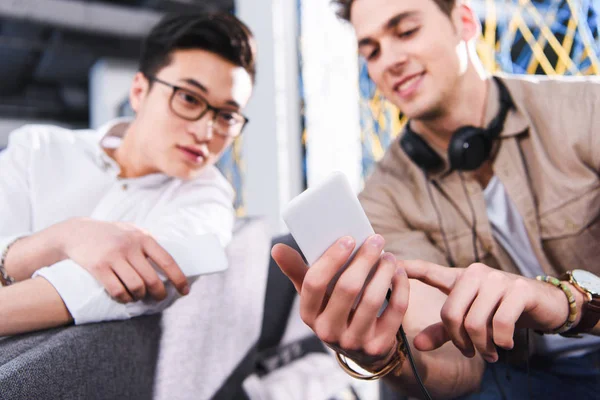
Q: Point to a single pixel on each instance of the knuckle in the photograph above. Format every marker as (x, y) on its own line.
(312, 284)
(502, 324)
(154, 284)
(496, 277)
(122, 247)
(179, 281)
(371, 303)
(399, 306)
(118, 293)
(145, 239)
(473, 327)
(348, 288)
(477, 268)
(98, 266)
(522, 285)
(307, 317)
(325, 332)
(378, 347)
(451, 317)
(349, 341)
(138, 289)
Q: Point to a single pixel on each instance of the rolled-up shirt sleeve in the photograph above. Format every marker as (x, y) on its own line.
(199, 209)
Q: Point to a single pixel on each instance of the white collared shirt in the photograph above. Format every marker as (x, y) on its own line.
(50, 174)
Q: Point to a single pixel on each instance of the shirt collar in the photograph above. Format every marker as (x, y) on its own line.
(515, 124)
(110, 136)
(516, 121)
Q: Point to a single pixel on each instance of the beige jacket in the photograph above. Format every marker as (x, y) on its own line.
(548, 158)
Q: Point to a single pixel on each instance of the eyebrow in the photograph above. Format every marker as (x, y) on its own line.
(390, 24)
(205, 90)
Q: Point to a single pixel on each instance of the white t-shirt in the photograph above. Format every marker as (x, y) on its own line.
(509, 230)
(50, 174)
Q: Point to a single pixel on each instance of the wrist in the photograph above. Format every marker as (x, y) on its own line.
(55, 239)
(382, 362)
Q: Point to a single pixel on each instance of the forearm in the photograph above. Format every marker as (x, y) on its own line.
(33, 252)
(30, 306)
(445, 372)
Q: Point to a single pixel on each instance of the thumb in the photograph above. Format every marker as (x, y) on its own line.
(291, 264)
(431, 338)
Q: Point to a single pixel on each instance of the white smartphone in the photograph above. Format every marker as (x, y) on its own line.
(322, 214)
(197, 254)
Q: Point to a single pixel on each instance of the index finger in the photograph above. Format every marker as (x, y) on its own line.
(167, 264)
(443, 278)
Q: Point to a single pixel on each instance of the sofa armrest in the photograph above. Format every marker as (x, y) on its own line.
(113, 360)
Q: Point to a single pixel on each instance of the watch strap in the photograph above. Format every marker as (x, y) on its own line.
(590, 315)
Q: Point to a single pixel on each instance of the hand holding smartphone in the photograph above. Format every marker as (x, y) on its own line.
(321, 215)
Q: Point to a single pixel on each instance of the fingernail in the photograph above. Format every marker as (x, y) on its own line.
(469, 353)
(389, 257)
(491, 359)
(346, 243)
(376, 241)
(186, 290)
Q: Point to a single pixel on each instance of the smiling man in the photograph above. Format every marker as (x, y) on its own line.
(83, 212)
(496, 176)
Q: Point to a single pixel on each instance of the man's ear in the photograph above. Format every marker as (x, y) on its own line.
(138, 91)
(468, 22)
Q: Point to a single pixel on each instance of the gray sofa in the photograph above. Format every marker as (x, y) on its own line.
(172, 355)
(102, 361)
(202, 347)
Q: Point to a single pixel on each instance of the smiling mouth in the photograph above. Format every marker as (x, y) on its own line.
(408, 84)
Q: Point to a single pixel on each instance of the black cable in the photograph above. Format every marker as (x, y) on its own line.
(409, 355)
(473, 218)
(449, 257)
(413, 366)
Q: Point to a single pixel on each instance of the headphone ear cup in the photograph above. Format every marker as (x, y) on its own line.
(468, 148)
(417, 149)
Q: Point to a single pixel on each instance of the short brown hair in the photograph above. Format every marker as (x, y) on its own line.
(344, 7)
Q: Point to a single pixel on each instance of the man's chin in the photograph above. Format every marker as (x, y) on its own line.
(422, 112)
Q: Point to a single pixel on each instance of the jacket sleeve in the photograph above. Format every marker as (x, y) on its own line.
(387, 220)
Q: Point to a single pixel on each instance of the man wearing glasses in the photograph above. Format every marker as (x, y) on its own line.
(83, 213)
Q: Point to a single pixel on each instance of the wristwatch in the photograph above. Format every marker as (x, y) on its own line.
(589, 285)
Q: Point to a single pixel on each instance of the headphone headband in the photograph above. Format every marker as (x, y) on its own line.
(469, 146)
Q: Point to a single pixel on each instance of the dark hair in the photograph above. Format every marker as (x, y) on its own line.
(219, 33)
(344, 7)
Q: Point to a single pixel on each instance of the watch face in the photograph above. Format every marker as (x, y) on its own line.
(588, 281)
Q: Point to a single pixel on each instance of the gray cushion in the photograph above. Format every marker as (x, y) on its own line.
(114, 360)
(200, 338)
(207, 334)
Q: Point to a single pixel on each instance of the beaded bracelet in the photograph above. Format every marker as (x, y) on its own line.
(572, 303)
(5, 279)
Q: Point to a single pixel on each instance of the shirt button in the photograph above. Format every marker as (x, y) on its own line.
(124, 186)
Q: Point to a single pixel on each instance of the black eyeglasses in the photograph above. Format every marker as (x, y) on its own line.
(192, 106)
